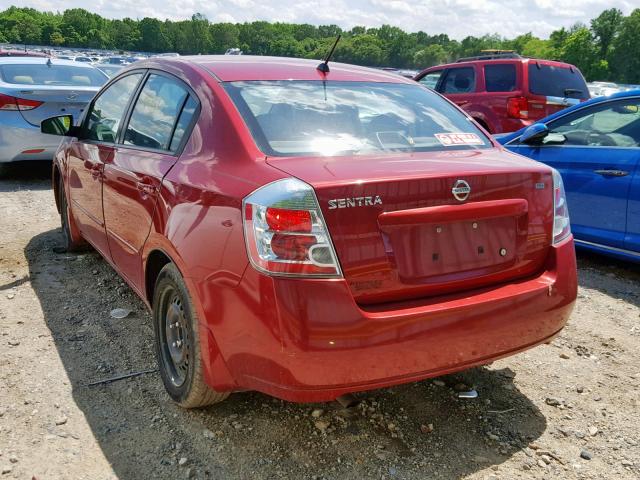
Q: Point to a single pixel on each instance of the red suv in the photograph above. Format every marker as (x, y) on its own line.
(309, 233)
(504, 93)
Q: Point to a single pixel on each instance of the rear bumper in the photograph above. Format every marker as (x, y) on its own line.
(19, 140)
(307, 340)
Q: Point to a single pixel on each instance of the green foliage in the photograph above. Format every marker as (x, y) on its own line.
(604, 50)
(604, 28)
(625, 62)
(431, 55)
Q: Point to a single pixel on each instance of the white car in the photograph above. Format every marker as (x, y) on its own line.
(33, 89)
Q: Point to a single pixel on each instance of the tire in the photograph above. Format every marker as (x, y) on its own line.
(483, 125)
(5, 170)
(70, 242)
(175, 325)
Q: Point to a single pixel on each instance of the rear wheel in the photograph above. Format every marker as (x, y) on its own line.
(71, 239)
(175, 324)
(483, 124)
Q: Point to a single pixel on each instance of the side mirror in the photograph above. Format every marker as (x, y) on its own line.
(534, 134)
(61, 125)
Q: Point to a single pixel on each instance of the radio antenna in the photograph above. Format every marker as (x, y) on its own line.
(324, 66)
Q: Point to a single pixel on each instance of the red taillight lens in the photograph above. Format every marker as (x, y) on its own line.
(8, 102)
(281, 219)
(285, 231)
(518, 107)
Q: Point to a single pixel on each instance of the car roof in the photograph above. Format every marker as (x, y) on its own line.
(41, 61)
(524, 60)
(229, 68)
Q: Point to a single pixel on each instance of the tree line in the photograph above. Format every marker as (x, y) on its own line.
(606, 49)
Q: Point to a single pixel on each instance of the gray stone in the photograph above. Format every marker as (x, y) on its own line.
(586, 455)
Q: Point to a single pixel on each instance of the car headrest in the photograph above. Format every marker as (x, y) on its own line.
(462, 83)
(24, 79)
(80, 80)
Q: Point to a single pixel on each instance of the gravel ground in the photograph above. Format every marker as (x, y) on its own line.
(564, 410)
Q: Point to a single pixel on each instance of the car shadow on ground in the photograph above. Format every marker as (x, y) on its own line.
(32, 175)
(592, 267)
(419, 430)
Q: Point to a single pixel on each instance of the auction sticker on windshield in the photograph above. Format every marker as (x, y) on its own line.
(455, 139)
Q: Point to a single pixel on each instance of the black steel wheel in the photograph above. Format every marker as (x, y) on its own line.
(69, 243)
(177, 346)
(175, 337)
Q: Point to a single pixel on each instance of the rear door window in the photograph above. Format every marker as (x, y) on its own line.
(155, 114)
(103, 120)
(186, 116)
(556, 81)
(500, 78)
(459, 80)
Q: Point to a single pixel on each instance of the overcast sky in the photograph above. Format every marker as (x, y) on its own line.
(458, 18)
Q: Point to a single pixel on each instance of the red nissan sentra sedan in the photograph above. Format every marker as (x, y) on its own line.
(309, 234)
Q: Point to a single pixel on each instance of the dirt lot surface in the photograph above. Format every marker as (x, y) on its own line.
(565, 410)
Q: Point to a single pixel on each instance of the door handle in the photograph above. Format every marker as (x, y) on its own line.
(612, 173)
(146, 188)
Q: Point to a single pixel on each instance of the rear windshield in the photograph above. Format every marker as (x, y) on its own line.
(43, 74)
(291, 118)
(552, 81)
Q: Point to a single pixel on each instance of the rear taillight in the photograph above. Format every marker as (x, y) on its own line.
(561, 223)
(286, 233)
(518, 107)
(8, 102)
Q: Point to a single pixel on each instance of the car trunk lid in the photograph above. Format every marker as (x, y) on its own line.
(55, 101)
(400, 232)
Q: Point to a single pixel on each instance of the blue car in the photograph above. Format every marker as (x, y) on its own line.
(595, 145)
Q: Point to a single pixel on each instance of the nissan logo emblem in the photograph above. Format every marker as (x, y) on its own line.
(461, 190)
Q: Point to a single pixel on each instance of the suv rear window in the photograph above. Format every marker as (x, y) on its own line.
(294, 118)
(54, 75)
(553, 81)
(500, 78)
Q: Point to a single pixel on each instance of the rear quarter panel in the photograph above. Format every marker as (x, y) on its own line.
(198, 220)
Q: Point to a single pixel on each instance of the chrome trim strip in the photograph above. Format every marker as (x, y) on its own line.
(564, 101)
(605, 247)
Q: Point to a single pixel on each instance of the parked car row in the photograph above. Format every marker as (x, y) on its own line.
(604, 89)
